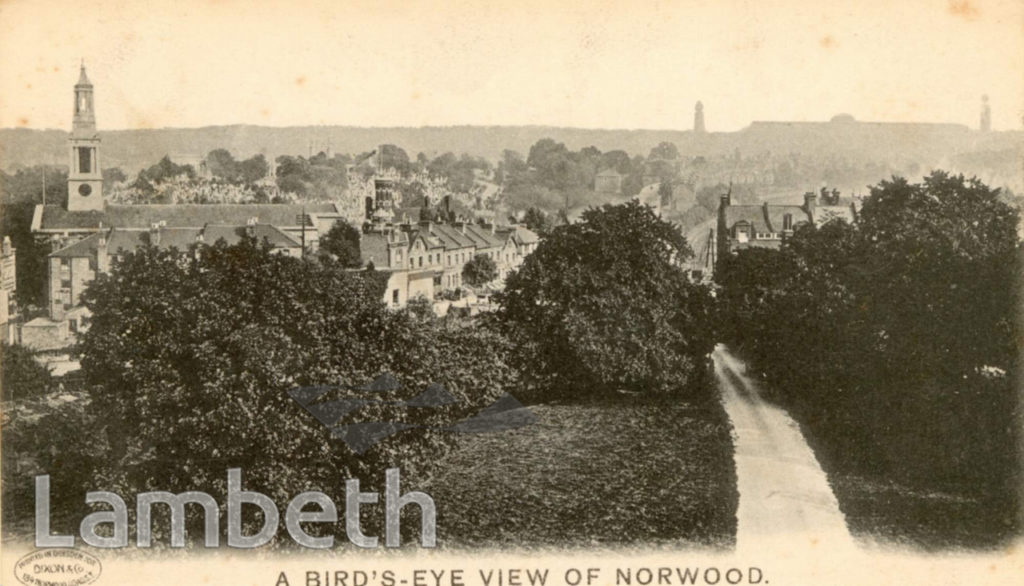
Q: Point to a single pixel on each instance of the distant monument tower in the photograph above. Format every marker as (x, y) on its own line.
(986, 115)
(698, 118)
(85, 181)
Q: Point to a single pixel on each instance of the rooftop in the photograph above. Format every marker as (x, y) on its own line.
(128, 240)
(55, 218)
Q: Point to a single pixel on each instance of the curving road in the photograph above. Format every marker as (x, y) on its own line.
(785, 500)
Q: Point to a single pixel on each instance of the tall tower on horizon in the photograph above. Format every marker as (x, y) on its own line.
(698, 118)
(986, 115)
(85, 180)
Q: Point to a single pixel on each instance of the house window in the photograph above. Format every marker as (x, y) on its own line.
(394, 297)
(421, 260)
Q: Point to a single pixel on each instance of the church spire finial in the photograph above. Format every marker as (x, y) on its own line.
(83, 79)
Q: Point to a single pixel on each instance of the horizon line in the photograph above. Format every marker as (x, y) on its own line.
(553, 126)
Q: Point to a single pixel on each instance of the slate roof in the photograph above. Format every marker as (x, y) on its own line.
(482, 237)
(451, 236)
(128, 240)
(56, 218)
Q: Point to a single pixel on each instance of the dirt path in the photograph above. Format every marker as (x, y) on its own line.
(785, 499)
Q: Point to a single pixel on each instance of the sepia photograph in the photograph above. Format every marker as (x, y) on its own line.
(462, 293)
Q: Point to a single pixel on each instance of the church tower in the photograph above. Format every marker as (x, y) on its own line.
(85, 180)
(698, 118)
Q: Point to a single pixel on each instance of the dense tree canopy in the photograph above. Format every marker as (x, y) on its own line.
(189, 359)
(319, 177)
(554, 178)
(895, 334)
(223, 165)
(603, 305)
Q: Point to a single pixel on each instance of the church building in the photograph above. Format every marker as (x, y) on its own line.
(87, 232)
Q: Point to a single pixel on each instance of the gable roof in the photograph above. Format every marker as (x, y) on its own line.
(482, 237)
(83, 248)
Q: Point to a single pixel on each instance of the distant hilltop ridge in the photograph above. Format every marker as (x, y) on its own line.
(842, 119)
(841, 136)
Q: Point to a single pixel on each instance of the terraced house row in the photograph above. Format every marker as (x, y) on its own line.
(427, 257)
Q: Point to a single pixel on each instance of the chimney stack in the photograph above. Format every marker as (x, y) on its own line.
(810, 202)
(102, 258)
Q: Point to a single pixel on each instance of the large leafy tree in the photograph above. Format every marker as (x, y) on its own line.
(342, 243)
(603, 304)
(23, 376)
(535, 219)
(666, 151)
(480, 270)
(943, 272)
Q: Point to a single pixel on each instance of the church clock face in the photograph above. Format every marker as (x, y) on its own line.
(84, 189)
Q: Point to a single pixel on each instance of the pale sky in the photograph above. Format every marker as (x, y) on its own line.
(622, 64)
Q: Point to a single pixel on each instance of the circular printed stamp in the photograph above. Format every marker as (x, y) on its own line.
(58, 567)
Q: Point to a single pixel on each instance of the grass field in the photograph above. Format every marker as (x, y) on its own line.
(592, 475)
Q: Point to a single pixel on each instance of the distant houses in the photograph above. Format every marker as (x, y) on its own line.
(423, 258)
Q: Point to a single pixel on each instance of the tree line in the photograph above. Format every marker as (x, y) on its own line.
(895, 337)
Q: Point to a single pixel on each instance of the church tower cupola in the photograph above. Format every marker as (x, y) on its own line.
(85, 180)
(85, 118)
